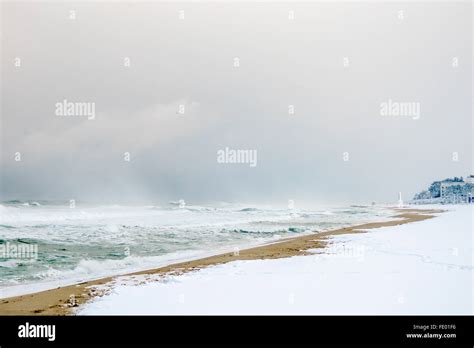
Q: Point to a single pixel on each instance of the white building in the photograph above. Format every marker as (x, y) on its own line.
(445, 185)
(469, 179)
(457, 198)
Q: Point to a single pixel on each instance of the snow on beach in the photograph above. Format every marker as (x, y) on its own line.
(418, 268)
(94, 241)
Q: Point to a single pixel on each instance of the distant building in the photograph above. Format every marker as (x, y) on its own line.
(470, 179)
(448, 191)
(444, 187)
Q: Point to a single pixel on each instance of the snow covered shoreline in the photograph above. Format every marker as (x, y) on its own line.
(423, 267)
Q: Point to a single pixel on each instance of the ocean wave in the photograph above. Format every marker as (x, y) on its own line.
(87, 241)
(13, 201)
(249, 209)
(269, 232)
(92, 268)
(6, 226)
(16, 263)
(16, 202)
(198, 209)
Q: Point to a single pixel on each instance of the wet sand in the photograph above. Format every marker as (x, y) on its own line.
(57, 301)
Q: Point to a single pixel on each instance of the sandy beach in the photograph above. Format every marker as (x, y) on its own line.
(57, 301)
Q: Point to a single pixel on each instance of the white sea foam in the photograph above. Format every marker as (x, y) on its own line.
(87, 242)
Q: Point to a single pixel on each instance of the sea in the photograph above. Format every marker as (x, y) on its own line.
(48, 244)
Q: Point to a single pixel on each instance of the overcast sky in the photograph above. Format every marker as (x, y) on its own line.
(334, 62)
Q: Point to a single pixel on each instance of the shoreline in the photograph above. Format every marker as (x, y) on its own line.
(56, 301)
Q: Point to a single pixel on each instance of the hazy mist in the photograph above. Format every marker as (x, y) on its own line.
(334, 63)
